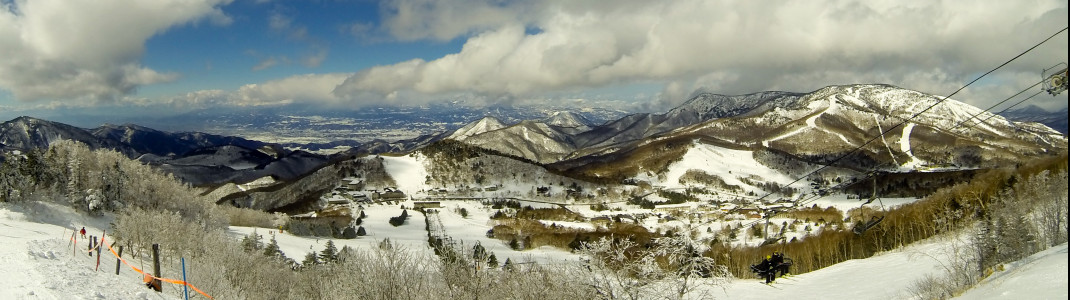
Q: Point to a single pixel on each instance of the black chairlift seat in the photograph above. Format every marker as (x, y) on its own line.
(771, 240)
(861, 228)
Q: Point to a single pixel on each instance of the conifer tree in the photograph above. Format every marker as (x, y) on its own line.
(272, 248)
(252, 242)
(310, 259)
(508, 265)
(329, 253)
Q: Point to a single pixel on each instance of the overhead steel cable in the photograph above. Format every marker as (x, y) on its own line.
(915, 115)
(1005, 109)
(807, 200)
(960, 123)
(872, 173)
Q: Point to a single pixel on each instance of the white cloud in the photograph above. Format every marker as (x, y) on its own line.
(303, 88)
(266, 63)
(82, 49)
(524, 48)
(306, 88)
(315, 57)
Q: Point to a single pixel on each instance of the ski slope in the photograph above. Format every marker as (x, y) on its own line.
(1040, 276)
(40, 262)
(408, 172)
(728, 164)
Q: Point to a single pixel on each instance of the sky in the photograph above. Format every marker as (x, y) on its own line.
(174, 56)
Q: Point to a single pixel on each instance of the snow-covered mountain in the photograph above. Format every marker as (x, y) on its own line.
(563, 133)
(568, 119)
(533, 140)
(146, 140)
(196, 158)
(1054, 119)
(918, 128)
(24, 133)
(484, 125)
(814, 128)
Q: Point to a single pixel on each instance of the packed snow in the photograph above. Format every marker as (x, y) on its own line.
(40, 261)
(728, 164)
(904, 145)
(408, 172)
(1029, 278)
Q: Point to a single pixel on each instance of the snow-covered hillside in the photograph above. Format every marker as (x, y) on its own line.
(486, 124)
(39, 264)
(730, 165)
(1040, 276)
(891, 275)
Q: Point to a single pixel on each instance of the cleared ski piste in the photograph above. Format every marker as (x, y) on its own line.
(38, 264)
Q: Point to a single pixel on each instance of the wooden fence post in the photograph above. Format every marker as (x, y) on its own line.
(118, 260)
(156, 284)
(101, 245)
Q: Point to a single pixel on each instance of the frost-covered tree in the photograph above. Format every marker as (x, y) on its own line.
(311, 259)
(252, 242)
(672, 269)
(272, 248)
(329, 253)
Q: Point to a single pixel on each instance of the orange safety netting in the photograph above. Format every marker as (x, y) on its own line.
(174, 281)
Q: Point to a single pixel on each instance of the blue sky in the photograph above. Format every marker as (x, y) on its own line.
(186, 55)
(254, 49)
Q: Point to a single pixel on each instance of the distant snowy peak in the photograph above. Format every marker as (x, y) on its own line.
(710, 106)
(903, 104)
(486, 124)
(533, 140)
(567, 119)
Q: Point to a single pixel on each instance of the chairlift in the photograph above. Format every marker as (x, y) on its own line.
(1055, 79)
(770, 240)
(862, 227)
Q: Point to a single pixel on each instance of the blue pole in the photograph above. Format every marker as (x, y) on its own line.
(185, 287)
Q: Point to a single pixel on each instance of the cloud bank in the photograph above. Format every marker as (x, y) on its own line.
(87, 49)
(525, 48)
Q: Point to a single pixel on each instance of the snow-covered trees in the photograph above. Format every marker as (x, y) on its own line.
(671, 268)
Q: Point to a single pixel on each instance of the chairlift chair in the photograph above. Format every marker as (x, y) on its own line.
(861, 228)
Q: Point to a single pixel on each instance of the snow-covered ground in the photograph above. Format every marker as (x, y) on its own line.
(408, 172)
(841, 202)
(728, 164)
(890, 275)
(38, 263)
(411, 234)
(1040, 276)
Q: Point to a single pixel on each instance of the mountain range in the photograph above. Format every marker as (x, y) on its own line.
(892, 128)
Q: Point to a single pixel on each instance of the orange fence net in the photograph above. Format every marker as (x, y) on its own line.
(168, 280)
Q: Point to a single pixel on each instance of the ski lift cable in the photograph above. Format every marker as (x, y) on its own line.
(1004, 110)
(872, 173)
(915, 115)
(958, 126)
(960, 123)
